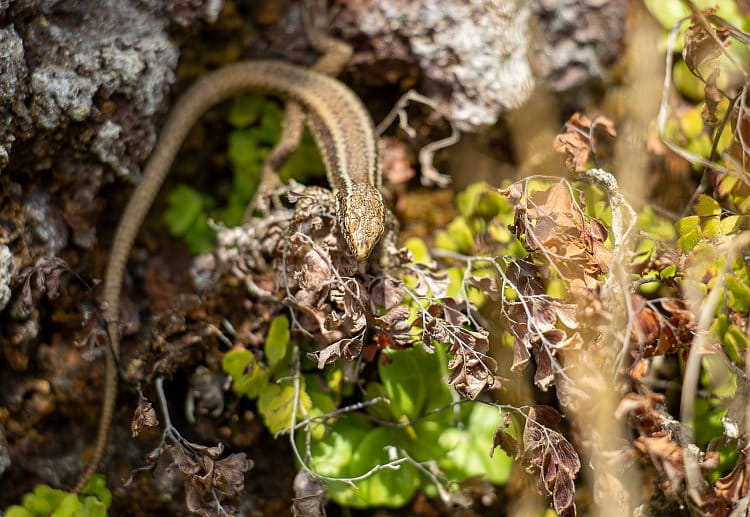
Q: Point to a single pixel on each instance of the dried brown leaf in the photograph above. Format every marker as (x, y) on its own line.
(734, 485)
(562, 496)
(503, 439)
(579, 138)
(700, 46)
(311, 496)
(547, 452)
(144, 416)
(713, 97)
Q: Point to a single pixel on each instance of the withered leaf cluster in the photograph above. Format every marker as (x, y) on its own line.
(472, 370)
(659, 328)
(545, 452)
(210, 483)
(342, 304)
(578, 142)
(662, 440)
(703, 47)
(533, 320)
(562, 241)
(553, 225)
(43, 277)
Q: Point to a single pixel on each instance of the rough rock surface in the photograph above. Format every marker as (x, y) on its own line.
(81, 86)
(579, 40)
(471, 53)
(106, 65)
(4, 454)
(6, 270)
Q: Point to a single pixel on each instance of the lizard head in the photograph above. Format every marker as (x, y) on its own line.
(362, 214)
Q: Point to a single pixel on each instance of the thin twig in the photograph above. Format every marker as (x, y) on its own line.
(430, 175)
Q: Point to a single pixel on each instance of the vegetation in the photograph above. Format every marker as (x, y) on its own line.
(552, 328)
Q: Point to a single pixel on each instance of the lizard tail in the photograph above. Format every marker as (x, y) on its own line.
(108, 408)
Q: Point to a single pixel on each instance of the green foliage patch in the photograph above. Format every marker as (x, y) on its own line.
(93, 501)
(257, 124)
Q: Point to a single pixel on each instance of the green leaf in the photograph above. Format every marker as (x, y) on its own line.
(708, 415)
(276, 402)
(404, 383)
(556, 289)
(200, 237)
(246, 110)
(688, 228)
(323, 402)
(645, 251)
(687, 84)
(92, 507)
(720, 325)
(735, 343)
(717, 377)
(277, 341)
(711, 228)
(419, 250)
(468, 200)
(455, 280)
(97, 487)
(731, 224)
(185, 204)
(691, 122)
(438, 393)
(269, 128)
(668, 272)
(700, 146)
(68, 507)
(727, 185)
(332, 455)
(457, 237)
(707, 206)
(235, 361)
(53, 496)
(492, 204)
(469, 448)
(18, 511)
(243, 149)
(38, 505)
(305, 163)
(655, 226)
(334, 379)
(739, 294)
(649, 288)
(500, 233)
(382, 410)
(249, 377)
(667, 11)
(388, 487)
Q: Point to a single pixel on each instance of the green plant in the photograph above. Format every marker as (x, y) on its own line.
(420, 428)
(257, 123)
(93, 501)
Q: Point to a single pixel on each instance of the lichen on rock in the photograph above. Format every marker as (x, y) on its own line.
(6, 272)
(472, 53)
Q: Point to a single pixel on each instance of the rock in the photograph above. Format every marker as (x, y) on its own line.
(579, 40)
(6, 272)
(471, 53)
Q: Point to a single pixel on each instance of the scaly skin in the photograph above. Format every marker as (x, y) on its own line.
(344, 133)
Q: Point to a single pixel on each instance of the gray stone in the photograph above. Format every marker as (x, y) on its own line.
(6, 272)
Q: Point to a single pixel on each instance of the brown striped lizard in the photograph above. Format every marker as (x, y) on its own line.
(342, 129)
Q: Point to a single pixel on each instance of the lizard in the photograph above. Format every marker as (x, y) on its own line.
(341, 128)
